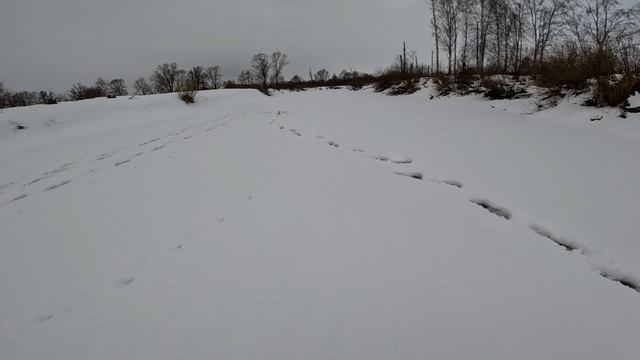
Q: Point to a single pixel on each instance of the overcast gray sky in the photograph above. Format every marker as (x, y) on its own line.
(50, 44)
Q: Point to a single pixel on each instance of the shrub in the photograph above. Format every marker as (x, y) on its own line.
(399, 83)
(608, 93)
(565, 71)
(405, 87)
(187, 89)
(445, 84)
(464, 83)
(188, 96)
(500, 90)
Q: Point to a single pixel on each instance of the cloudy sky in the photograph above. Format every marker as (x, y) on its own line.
(50, 44)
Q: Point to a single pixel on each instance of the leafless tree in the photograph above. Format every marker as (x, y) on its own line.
(81, 92)
(117, 87)
(278, 62)
(246, 77)
(545, 20)
(3, 96)
(196, 77)
(102, 85)
(435, 28)
(165, 78)
(600, 28)
(213, 77)
(601, 24)
(482, 30)
(142, 87)
(447, 11)
(261, 69)
(322, 75)
(466, 13)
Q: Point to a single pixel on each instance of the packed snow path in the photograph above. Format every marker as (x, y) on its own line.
(323, 224)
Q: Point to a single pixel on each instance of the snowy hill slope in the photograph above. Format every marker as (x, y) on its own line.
(322, 224)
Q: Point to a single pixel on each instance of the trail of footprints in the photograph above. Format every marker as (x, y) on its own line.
(127, 281)
(628, 280)
(202, 128)
(65, 168)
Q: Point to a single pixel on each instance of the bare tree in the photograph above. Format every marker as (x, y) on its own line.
(213, 77)
(196, 77)
(117, 87)
(278, 62)
(466, 11)
(545, 19)
(322, 75)
(246, 77)
(261, 69)
(601, 23)
(482, 30)
(81, 92)
(165, 78)
(600, 28)
(102, 85)
(3, 96)
(448, 20)
(142, 87)
(435, 26)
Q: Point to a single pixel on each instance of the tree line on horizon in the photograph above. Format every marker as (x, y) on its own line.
(563, 45)
(600, 37)
(559, 43)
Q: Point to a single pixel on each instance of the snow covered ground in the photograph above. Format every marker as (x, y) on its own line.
(320, 224)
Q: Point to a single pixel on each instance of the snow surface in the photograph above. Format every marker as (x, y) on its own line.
(320, 224)
(634, 100)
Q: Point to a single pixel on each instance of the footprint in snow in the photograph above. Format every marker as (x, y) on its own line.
(125, 281)
(492, 208)
(624, 280)
(401, 160)
(3, 187)
(566, 244)
(149, 142)
(18, 198)
(103, 156)
(454, 183)
(333, 143)
(380, 157)
(121, 162)
(413, 175)
(43, 318)
(53, 187)
(628, 280)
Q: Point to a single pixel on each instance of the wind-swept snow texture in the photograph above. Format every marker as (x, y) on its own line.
(254, 227)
